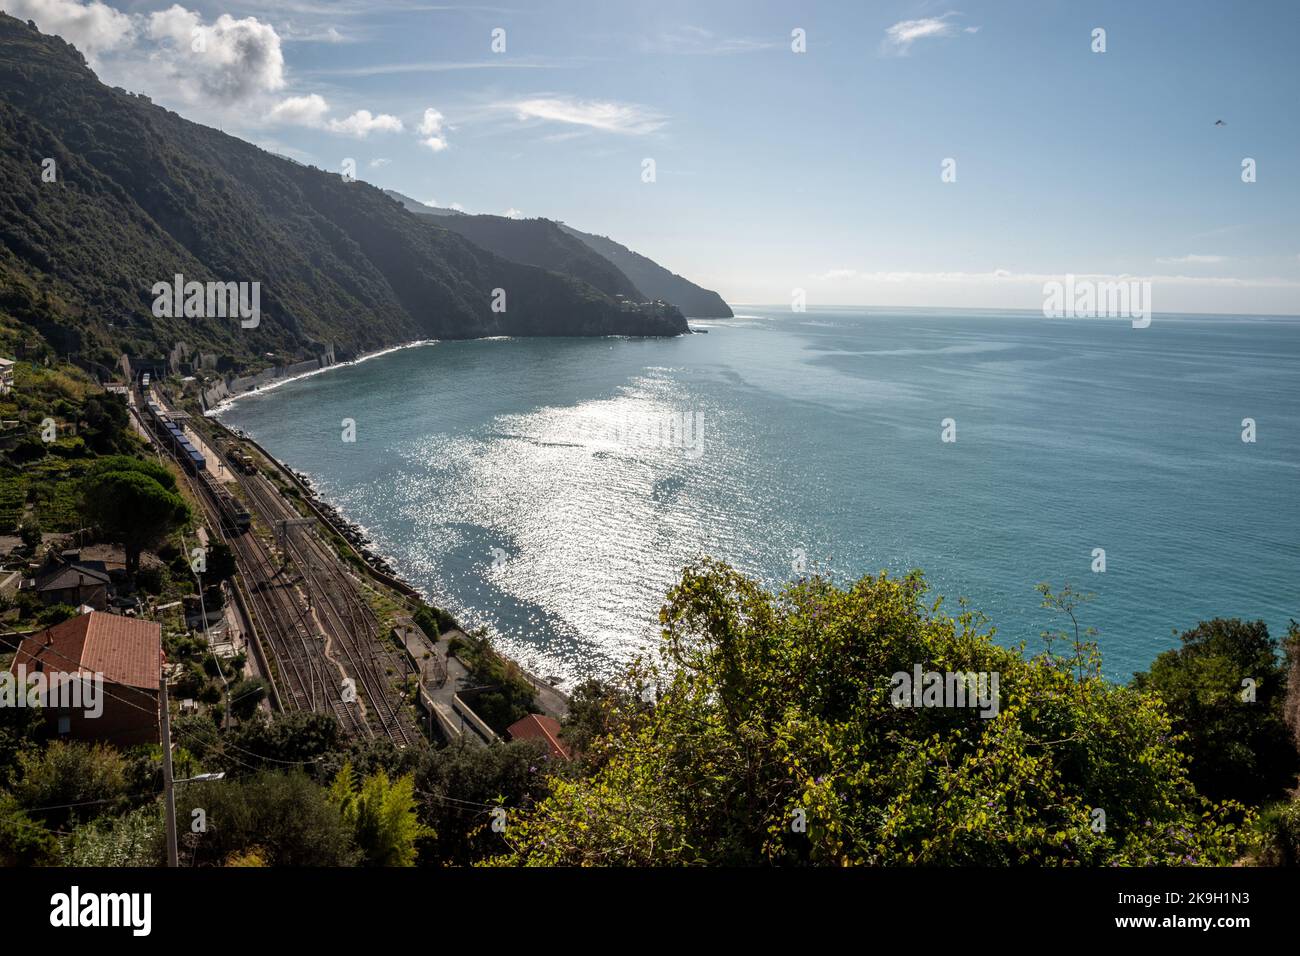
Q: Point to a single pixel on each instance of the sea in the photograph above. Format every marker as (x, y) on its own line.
(551, 490)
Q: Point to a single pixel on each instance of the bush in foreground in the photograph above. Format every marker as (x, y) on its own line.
(775, 738)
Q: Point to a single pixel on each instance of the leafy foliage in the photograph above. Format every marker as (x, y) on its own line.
(127, 840)
(773, 738)
(502, 694)
(70, 781)
(132, 501)
(1225, 688)
(460, 785)
(285, 816)
(382, 815)
(23, 841)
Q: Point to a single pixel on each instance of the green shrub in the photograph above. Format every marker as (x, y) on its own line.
(55, 614)
(1279, 830)
(776, 736)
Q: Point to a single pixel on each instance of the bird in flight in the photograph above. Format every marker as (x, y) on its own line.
(1220, 123)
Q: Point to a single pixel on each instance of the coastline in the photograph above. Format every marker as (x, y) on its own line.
(333, 517)
(226, 403)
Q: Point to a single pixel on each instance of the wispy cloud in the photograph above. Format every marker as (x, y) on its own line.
(292, 34)
(433, 66)
(696, 41)
(1192, 259)
(1219, 231)
(900, 37)
(605, 115)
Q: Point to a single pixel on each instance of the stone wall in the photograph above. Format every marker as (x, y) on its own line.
(237, 385)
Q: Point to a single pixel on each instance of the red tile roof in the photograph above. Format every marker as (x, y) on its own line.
(125, 650)
(539, 727)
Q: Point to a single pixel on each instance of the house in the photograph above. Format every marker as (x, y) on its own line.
(6, 376)
(539, 727)
(74, 582)
(120, 656)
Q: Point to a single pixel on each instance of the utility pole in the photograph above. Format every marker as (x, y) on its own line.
(169, 786)
(216, 658)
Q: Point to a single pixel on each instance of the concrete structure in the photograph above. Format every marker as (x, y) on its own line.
(6, 376)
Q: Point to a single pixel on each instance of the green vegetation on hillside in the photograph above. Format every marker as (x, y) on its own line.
(535, 242)
(141, 195)
(53, 423)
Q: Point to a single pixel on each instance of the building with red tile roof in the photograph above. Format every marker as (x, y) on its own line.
(123, 652)
(539, 727)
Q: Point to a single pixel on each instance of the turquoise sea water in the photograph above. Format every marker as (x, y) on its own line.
(551, 489)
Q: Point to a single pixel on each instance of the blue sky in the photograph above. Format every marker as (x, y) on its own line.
(778, 170)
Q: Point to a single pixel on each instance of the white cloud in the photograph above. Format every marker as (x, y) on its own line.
(597, 114)
(313, 110)
(511, 213)
(329, 35)
(300, 110)
(900, 37)
(1191, 260)
(92, 27)
(431, 128)
(837, 274)
(227, 61)
(362, 123)
(379, 163)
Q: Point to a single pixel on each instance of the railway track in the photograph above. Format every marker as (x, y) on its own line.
(296, 678)
(307, 677)
(352, 628)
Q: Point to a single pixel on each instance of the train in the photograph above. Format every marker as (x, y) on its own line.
(234, 516)
(241, 459)
(174, 437)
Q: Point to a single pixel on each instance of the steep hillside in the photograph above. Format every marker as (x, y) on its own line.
(656, 281)
(535, 242)
(414, 205)
(143, 194)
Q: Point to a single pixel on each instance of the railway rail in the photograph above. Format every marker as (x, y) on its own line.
(353, 629)
(313, 646)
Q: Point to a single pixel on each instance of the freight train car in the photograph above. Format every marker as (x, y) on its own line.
(175, 439)
(234, 516)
